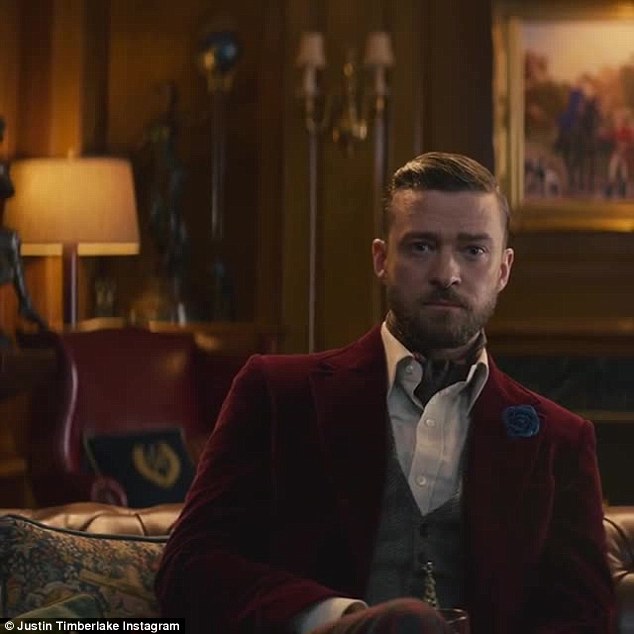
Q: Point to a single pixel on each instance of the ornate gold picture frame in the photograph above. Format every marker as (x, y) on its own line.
(564, 115)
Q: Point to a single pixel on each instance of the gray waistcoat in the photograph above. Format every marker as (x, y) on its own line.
(406, 540)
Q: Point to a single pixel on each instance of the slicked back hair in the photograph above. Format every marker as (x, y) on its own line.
(445, 172)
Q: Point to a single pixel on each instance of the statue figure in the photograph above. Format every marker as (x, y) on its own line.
(11, 269)
(6, 186)
(163, 295)
(166, 222)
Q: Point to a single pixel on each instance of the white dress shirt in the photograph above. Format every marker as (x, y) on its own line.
(429, 441)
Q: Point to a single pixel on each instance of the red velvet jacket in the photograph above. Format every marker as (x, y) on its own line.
(285, 506)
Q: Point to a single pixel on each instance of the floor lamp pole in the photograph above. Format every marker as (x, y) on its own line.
(379, 57)
(217, 56)
(311, 59)
(70, 266)
(379, 179)
(313, 157)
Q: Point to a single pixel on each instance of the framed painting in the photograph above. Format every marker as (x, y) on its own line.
(564, 115)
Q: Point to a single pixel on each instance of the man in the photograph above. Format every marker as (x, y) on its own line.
(401, 464)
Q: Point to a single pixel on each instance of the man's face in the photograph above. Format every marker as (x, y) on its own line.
(443, 265)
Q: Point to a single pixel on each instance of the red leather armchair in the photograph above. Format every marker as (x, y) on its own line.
(120, 380)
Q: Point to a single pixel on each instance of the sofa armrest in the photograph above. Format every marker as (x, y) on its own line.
(95, 517)
(619, 529)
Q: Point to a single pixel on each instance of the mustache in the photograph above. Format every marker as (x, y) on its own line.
(445, 295)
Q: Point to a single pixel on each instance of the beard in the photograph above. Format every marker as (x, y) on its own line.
(422, 329)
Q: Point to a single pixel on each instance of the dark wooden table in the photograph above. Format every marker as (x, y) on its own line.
(20, 371)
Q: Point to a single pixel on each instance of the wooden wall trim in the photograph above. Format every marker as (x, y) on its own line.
(611, 337)
(9, 54)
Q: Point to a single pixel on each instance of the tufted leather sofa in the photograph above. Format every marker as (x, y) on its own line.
(107, 519)
(158, 520)
(619, 528)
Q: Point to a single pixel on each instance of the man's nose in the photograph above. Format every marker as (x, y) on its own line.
(445, 271)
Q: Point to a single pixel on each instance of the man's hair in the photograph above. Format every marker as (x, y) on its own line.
(444, 172)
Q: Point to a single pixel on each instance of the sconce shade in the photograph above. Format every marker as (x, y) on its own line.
(378, 49)
(86, 202)
(311, 50)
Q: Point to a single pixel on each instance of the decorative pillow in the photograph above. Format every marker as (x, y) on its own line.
(40, 565)
(81, 606)
(153, 467)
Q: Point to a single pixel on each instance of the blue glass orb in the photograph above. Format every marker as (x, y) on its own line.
(225, 48)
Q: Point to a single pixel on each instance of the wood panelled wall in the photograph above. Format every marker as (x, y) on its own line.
(51, 95)
(440, 99)
(153, 43)
(83, 74)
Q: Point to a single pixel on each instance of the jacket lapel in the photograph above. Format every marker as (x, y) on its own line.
(499, 466)
(349, 394)
(498, 472)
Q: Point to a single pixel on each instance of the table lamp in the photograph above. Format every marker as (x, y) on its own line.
(73, 207)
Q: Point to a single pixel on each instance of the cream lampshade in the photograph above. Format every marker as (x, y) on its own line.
(73, 207)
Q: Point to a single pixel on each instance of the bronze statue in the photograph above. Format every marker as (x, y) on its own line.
(6, 186)
(11, 269)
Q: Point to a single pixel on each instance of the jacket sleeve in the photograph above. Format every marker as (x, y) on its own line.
(215, 570)
(573, 591)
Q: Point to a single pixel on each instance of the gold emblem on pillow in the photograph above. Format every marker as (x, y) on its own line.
(157, 462)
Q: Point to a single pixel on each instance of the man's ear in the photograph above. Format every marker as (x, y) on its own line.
(379, 255)
(505, 268)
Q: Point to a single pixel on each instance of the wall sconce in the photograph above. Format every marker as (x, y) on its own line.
(346, 114)
(351, 126)
(311, 58)
(74, 207)
(348, 122)
(378, 58)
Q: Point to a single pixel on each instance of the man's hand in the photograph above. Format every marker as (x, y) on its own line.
(399, 616)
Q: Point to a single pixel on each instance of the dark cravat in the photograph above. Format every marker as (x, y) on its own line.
(440, 373)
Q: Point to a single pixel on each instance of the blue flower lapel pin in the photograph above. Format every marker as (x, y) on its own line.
(521, 421)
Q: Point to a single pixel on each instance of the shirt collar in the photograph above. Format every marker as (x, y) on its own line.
(395, 352)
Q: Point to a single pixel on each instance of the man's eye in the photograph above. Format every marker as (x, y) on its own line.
(475, 251)
(420, 247)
